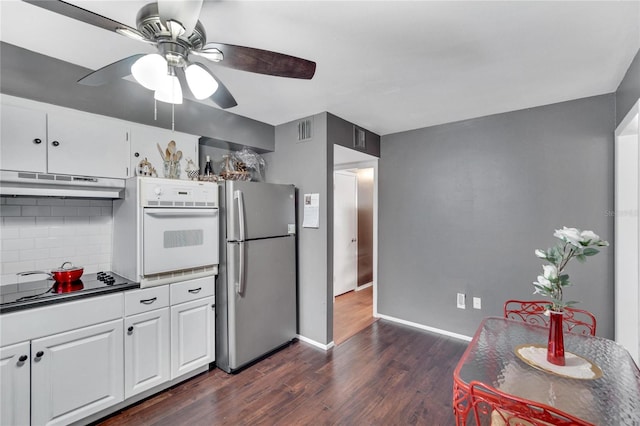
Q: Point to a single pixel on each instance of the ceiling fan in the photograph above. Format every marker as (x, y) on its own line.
(173, 27)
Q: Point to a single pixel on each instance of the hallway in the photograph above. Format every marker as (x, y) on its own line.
(352, 312)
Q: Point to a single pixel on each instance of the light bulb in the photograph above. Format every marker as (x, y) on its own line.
(149, 70)
(169, 90)
(200, 81)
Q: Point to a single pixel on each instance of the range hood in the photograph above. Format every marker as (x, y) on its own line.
(54, 185)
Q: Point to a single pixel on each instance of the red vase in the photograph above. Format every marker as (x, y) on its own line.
(555, 348)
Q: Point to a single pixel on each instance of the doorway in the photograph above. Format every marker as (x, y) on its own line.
(627, 232)
(355, 242)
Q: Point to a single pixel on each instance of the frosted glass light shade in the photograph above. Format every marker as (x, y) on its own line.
(200, 81)
(149, 70)
(169, 90)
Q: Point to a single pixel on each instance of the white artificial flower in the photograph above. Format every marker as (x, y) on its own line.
(570, 235)
(550, 272)
(589, 237)
(543, 281)
(541, 254)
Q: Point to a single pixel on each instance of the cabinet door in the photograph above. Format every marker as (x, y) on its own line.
(15, 384)
(145, 141)
(192, 335)
(24, 139)
(87, 144)
(146, 351)
(76, 373)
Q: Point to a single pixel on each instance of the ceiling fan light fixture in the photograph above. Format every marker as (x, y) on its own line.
(175, 28)
(169, 90)
(200, 81)
(150, 70)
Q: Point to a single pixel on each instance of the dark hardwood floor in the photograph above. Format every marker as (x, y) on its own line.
(352, 312)
(387, 374)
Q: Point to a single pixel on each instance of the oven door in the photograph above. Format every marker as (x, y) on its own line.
(174, 239)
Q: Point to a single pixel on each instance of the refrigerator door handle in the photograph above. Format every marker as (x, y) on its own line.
(237, 194)
(241, 276)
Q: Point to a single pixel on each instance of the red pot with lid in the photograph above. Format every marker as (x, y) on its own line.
(66, 273)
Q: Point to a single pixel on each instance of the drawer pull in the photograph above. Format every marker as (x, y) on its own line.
(39, 355)
(148, 301)
(130, 330)
(37, 141)
(23, 358)
(195, 290)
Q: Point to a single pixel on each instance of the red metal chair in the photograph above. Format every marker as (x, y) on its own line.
(496, 408)
(576, 321)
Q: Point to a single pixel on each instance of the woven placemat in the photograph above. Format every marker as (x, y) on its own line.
(576, 367)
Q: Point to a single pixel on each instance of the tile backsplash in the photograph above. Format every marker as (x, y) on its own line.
(41, 233)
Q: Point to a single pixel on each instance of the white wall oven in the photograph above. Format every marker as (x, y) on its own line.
(166, 231)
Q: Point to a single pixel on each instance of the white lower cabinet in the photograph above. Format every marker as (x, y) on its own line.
(146, 351)
(192, 335)
(15, 384)
(76, 373)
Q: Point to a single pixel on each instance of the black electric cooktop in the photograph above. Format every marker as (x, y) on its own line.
(32, 294)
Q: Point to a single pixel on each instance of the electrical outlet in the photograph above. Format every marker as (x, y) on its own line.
(477, 303)
(460, 301)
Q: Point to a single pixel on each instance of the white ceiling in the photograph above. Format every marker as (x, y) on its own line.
(388, 66)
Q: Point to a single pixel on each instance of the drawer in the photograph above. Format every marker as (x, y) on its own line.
(193, 289)
(146, 299)
(52, 319)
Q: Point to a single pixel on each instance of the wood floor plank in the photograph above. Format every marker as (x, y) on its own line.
(387, 374)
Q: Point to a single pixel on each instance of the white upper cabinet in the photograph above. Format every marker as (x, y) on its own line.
(24, 139)
(146, 139)
(87, 145)
(46, 138)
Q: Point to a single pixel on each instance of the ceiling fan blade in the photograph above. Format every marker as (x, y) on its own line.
(186, 12)
(221, 97)
(71, 11)
(111, 72)
(263, 61)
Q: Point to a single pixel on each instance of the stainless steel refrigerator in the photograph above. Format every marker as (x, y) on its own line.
(256, 286)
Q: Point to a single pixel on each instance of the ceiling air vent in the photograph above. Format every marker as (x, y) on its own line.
(304, 130)
(359, 138)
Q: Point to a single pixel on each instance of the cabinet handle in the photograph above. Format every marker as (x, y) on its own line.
(39, 355)
(130, 330)
(23, 358)
(55, 143)
(148, 301)
(195, 290)
(213, 306)
(136, 154)
(37, 141)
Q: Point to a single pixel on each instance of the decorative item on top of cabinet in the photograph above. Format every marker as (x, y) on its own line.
(145, 168)
(192, 170)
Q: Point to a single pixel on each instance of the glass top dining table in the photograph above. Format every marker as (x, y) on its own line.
(490, 358)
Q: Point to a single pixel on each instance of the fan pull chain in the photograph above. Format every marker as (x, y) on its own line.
(173, 123)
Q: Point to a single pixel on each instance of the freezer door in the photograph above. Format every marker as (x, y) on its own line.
(268, 210)
(261, 314)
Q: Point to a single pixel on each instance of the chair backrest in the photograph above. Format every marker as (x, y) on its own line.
(496, 408)
(575, 320)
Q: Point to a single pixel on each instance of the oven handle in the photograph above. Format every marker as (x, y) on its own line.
(180, 212)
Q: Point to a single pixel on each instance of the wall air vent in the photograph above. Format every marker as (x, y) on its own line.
(359, 138)
(304, 130)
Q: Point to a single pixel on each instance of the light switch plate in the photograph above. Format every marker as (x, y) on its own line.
(460, 301)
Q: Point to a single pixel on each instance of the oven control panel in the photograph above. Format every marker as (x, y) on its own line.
(157, 192)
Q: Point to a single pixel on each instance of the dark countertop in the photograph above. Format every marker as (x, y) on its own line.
(34, 294)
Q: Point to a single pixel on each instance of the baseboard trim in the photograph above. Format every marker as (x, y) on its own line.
(316, 344)
(426, 327)
(362, 287)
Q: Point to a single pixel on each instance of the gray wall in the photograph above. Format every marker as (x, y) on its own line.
(341, 132)
(464, 205)
(307, 165)
(628, 91)
(38, 77)
(365, 226)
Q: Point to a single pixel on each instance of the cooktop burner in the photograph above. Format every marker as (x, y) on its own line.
(19, 296)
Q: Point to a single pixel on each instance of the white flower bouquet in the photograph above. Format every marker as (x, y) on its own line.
(573, 243)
